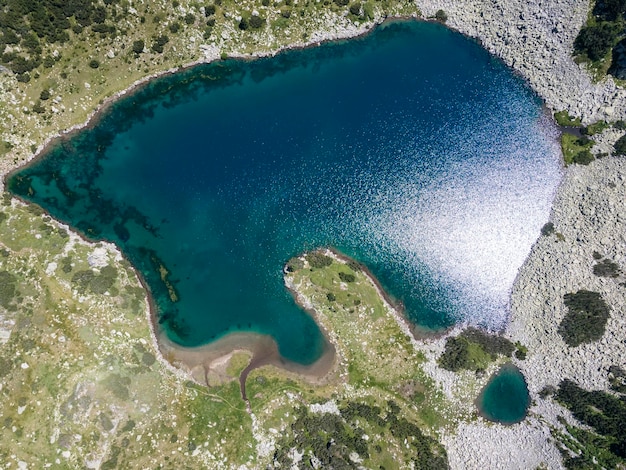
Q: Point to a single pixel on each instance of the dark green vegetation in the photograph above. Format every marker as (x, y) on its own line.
(606, 268)
(576, 149)
(617, 379)
(8, 290)
(318, 260)
(601, 40)
(586, 318)
(96, 283)
(620, 146)
(605, 413)
(547, 229)
(563, 118)
(35, 25)
(441, 16)
(474, 349)
(331, 438)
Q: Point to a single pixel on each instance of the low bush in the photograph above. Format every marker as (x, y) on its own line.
(473, 349)
(584, 157)
(547, 229)
(294, 264)
(586, 318)
(620, 146)
(8, 288)
(617, 379)
(441, 16)
(256, 22)
(563, 118)
(318, 260)
(138, 46)
(597, 40)
(606, 268)
(346, 277)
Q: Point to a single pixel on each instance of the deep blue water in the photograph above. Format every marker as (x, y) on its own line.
(505, 398)
(410, 149)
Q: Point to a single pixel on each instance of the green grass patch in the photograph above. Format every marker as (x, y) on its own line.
(575, 149)
(563, 118)
(596, 127)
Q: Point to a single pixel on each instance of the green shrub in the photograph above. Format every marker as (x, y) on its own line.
(609, 10)
(584, 157)
(318, 260)
(596, 40)
(547, 229)
(38, 108)
(620, 146)
(617, 379)
(190, 18)
(473, 349)
(441, 16)
(547, 391)
(341, 3)
(209, 10)
(159, 42)
(605, 414)
(256, 22)
(138, 46)
(586, 318)
(44, 95)
(355, 9)
(346, 277)
(563, 118)
(595, 128)
(94, 63)
(174, 27)
(243, 24)
(572, 145)
(521, 351)
(606, 268)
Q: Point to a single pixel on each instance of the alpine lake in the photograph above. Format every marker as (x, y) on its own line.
(410, 149)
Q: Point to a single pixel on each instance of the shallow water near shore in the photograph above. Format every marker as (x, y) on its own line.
(410, 149)
(505, 398)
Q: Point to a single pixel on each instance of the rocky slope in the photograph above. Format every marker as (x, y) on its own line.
(535, 38)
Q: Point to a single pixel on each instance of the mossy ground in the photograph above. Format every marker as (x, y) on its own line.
(80, 383)
(572, 146)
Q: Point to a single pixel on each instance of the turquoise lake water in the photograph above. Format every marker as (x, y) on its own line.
(505, 398)
(410, 149)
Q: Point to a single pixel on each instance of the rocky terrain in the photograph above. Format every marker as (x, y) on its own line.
(535, 38)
